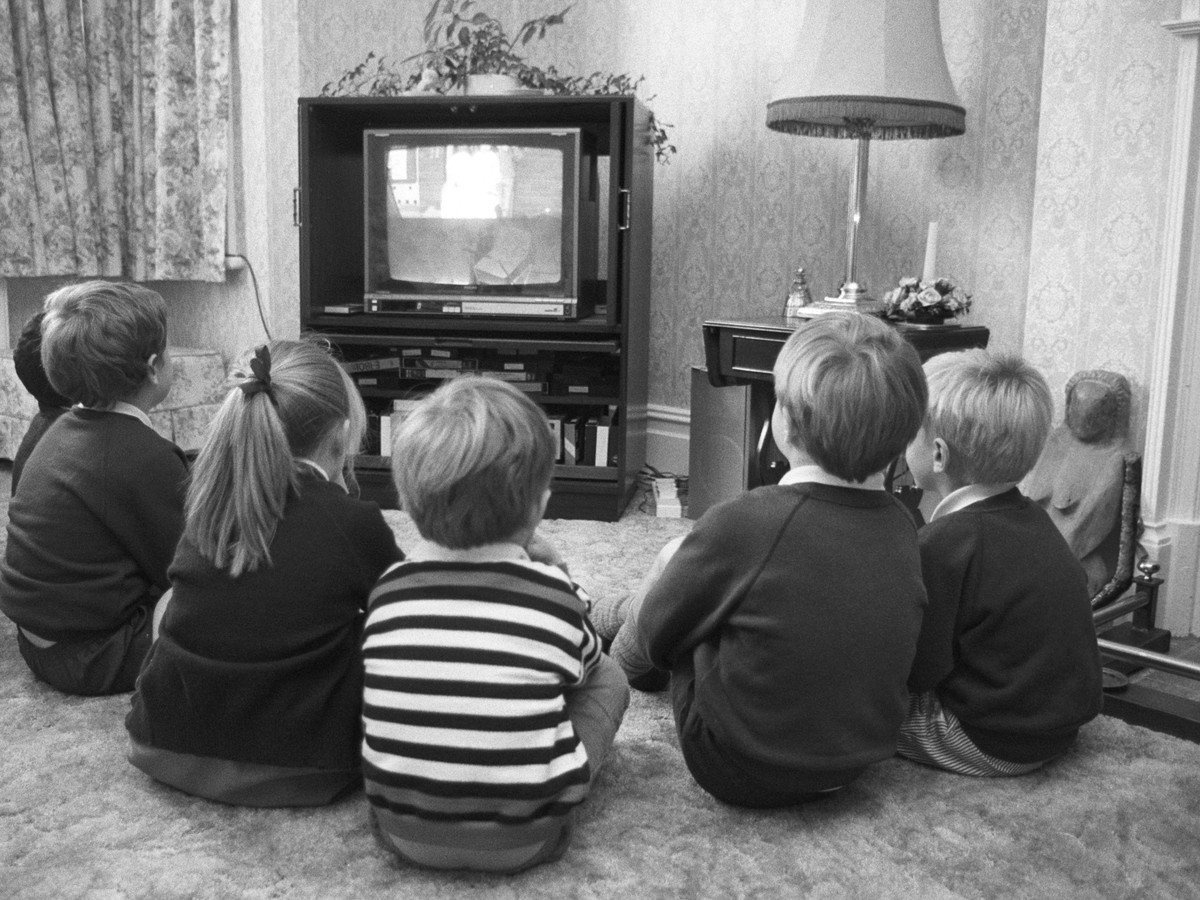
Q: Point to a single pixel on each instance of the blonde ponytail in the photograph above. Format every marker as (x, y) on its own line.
(294, 397)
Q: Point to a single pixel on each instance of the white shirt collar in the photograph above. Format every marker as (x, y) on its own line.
(814, 474)
(966, 496)
(320, 470)
(125, 409)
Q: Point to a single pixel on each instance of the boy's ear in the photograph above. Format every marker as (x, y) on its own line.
(153, 367)
(538, 511)
(941, 455)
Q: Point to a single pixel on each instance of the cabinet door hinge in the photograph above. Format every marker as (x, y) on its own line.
(626, 209)
(296, 206)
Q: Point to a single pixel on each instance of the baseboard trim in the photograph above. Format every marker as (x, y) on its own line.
(668, 430)
(1175, 547)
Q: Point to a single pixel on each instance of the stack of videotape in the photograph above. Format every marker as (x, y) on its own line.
(405, 367)
(584, 377)
(420, 367)
(425, 364)
(526, 372)
(586, 439)
(371, 372)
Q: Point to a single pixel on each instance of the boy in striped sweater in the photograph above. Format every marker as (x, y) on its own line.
(488, 706)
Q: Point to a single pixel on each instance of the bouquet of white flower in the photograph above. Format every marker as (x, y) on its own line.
(923, 302)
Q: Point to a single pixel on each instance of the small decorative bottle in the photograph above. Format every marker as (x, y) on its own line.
(798, 295)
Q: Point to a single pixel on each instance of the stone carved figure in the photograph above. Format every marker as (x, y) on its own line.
(1078, 478)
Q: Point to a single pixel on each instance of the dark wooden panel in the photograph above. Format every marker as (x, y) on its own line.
(738, 351)
(743, 352)
(1157, 710)
(332, 266)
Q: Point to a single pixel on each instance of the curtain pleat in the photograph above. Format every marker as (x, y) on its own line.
(20, 223)
(113, 138)
(212, 29)
(104, 78)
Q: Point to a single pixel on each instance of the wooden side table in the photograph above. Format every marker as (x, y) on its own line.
(743, 352)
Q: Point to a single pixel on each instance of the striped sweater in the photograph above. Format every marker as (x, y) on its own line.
(466, 738)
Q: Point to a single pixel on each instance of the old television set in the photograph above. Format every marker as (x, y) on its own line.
(480, 222)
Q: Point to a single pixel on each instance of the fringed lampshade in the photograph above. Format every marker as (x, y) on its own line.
(867, 69)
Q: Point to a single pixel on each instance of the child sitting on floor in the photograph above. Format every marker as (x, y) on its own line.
(488, 705)
(252, 692)
(1007, 667)
(99, 508)
(788, 616)
(27, 360)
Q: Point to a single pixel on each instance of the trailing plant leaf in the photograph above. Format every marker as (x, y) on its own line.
(462, 40)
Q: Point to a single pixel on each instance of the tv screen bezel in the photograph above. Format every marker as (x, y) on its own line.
(377, 292)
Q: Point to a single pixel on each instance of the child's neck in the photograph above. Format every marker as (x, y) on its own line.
(330, 463)
(503, 548)
(797, 457)
(499, 551)
(144, 398)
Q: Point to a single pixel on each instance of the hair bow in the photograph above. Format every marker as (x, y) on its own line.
(259, 381)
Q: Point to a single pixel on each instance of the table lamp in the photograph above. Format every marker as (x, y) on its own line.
(867, 69)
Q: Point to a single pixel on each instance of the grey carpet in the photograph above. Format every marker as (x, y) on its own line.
(1118, 817)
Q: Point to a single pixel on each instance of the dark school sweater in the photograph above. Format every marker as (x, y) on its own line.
(266, 667)
(800, 607)
(1008, 642)
(93, 525)
(38, 426)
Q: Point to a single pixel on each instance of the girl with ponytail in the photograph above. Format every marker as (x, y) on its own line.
(252, 692)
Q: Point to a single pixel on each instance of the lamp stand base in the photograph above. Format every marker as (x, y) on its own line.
(865, 305)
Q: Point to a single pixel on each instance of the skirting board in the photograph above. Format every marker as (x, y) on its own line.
(1175, 546)
(667, 435)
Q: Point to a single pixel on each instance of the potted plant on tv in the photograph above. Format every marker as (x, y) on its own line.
(472, 51)
(464, 44)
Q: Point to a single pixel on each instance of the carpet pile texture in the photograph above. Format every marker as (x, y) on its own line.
(1118, 817)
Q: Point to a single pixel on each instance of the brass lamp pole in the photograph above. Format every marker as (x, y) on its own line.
(867, 69)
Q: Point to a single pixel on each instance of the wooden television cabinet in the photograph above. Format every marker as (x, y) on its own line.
(595, 365)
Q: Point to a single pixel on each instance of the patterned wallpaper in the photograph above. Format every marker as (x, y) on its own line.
(1097, 215)
(782, 200)
(1049, 206)
(741, 206)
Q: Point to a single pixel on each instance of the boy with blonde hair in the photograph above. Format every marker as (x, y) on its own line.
(488, 706)
(787, 618)
(1007, 668)
(94, 522)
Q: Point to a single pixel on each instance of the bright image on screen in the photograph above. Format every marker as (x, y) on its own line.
(475, 214)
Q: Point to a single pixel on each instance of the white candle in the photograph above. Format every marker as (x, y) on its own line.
(929, 273)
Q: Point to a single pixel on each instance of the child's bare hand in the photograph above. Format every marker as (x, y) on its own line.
(541, 550)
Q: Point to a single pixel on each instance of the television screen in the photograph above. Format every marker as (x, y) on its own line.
(471, 213)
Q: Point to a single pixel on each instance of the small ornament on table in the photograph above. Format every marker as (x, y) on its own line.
(935, 301)
(798, 296)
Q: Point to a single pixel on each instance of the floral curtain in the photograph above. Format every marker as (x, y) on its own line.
(113, 138)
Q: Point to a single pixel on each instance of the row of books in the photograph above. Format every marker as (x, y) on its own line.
(581, 440)
(586, 439)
